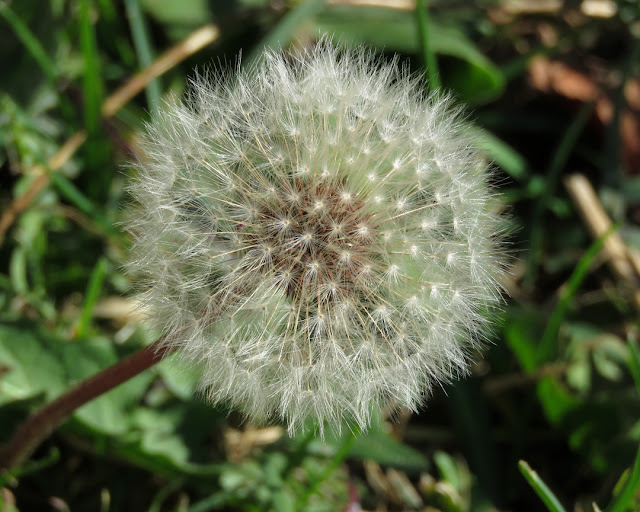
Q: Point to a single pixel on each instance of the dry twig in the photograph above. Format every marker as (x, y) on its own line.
(624, 262)
(184, 49)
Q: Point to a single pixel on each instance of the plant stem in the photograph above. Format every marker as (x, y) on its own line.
(40, 425)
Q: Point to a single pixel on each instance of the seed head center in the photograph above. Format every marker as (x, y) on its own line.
(318, 241)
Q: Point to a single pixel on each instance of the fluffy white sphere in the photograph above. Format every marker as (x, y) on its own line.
(318, 235)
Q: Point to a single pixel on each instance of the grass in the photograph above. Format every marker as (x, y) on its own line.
(558, 384)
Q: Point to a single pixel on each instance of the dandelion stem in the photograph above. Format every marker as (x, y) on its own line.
(41, 424)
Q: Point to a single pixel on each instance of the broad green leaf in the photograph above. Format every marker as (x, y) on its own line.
(32, 365)
(158, 435)
(556, 400)
(181, 379)
(107, 414)
(385, 450)
(503, 155)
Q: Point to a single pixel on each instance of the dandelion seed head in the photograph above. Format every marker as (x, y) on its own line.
(318, 236)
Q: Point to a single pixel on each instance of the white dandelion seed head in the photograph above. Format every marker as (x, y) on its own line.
(318, 236)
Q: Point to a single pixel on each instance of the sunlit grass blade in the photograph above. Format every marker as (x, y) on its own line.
(144, 50)
(429, 56)
(548, 498)
(624, 501)
(286, 28)
(548, 346)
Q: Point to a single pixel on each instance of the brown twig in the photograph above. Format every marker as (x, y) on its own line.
(622, 260)
(197, 40)
(20, 203)
(40, 425)
(184, 49)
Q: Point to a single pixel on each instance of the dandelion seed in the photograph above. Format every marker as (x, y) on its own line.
(298, 238)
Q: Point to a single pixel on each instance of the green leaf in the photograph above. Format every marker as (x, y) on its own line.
(522, 334)
(609, 357)
(557, 402)
(579, 374)
(32, 365)
(107, 414)
(503, 155)
(472, 76)
(283, 502)
(193, 13)
(449, 470)
(384, 449)
(548, 347)
(181, 379)
(158, 435)
(625, 499)
(283, 32)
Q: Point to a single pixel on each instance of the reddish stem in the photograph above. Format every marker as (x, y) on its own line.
(40, 425)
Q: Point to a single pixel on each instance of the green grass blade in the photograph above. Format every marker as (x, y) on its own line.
(338, 458)
(623, 502)
(558, 162)
(80, 201)
(158, 500)
(92, 295)
(428, 55)
(502, 155)
(286, 28)
(144, 50)
(213, 502)
(92, 82)
(29, 40)
(548, 498)
(548, 346)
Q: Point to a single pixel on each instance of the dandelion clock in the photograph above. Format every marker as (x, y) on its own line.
(317, 235)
